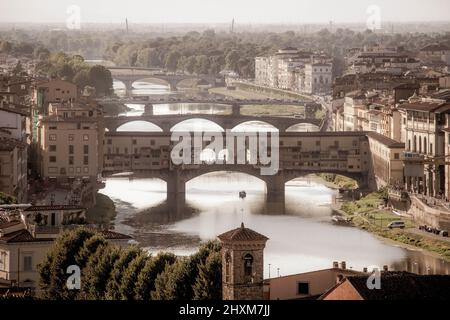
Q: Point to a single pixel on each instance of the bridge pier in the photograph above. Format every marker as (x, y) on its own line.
(235, 109)
(148, 109)
(176, 188)
(128, 88)
(275, 194)
(172, 86)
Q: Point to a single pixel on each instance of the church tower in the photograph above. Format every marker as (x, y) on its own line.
(242, 264)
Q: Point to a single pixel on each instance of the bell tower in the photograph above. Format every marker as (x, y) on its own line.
(242, 264)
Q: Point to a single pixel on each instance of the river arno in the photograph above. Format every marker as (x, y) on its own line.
(302, 236)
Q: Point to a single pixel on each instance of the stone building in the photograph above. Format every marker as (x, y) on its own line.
(243, 264)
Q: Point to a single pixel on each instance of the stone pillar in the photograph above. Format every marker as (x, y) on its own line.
(275, 196)
(128, 88)
(235, 110)
(173, 86)
(148, 109)
(176, 187)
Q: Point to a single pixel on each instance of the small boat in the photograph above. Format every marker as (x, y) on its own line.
(242, 194)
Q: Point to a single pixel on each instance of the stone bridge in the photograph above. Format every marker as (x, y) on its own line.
(226, 122)
(300, 154)
(128, 75)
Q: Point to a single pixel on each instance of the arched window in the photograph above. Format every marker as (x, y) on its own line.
(248, 268)
(227, 267)
(409, 145)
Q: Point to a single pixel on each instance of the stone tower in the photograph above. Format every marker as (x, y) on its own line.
(242, 264)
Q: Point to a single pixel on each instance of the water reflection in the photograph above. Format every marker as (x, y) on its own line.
(302, 238)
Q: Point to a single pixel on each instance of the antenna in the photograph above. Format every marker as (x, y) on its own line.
(232, 26)
(126, 24)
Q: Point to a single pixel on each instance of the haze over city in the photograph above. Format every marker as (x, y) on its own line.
(218, 11)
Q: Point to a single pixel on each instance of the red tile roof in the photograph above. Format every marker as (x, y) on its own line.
(242, 234)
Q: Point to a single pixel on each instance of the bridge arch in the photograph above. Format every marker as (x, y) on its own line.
(246, 125)
(152, 80)
(197, 124)
(303, 127)
(139, 126)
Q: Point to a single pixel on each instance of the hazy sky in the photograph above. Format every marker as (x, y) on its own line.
(204, 11)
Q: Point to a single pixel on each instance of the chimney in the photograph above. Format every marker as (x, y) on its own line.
(385, 268)
(343, 265)
(335, 264)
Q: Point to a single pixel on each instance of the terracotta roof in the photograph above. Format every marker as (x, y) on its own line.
(404, 286)
(242, 234)
(21, 112)
(58, 207)
(112, 235)
(391, 143)
(9, 144)
(9, 224)
(425, 106)
(21, 236)
(25, 236)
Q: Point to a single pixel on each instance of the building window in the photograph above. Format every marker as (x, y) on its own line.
(52, 159)
(52, 137)
(52, 148)
(70, 160)
(78, 170)
(28, 263)
(85, 137)
(318, 143)
(86, 169)
(71, 149)
(248, 268)
(52, 170)
(152, 142)
(71, 137)
(134, 141)
(396, 156)
(109, 141)
(302, 288)
(86, 149)
(86, 160)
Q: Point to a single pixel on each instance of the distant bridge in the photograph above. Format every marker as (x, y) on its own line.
(227, 122)
(129, 75)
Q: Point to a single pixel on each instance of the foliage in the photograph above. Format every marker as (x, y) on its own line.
(62, 254)
(7, 199)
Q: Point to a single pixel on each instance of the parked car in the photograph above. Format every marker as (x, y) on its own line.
(396, 224)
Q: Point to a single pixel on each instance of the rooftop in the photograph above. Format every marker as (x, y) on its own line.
(242, 234)
(390, 143)
(404, 286)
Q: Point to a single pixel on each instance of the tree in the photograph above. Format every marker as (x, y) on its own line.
(208, 285)
(100, 78)
(172, 60)
(98, 272)
(154, 266)
(232, 59)
(81, 79)
(130, 276)
(89, 248)
(53, 270)
(114, 282)
(175, 282)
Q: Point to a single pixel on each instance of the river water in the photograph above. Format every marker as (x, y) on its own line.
(302, 235)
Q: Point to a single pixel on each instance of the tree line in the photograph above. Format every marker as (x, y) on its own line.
(109, 272)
